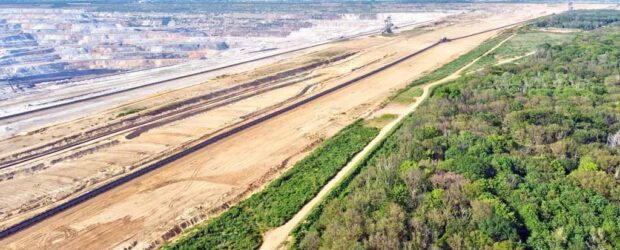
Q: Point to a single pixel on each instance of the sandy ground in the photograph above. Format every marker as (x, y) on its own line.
(43, 187)
(58, 94)
(275, 238)
(19, 143)
(18, 125)
(139, 212)
(322, 31)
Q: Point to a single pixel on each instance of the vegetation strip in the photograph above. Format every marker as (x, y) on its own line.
(242, 226)
(108, 186)
(463, 60)
(523, 44)
(582, 19)
(451, 67)
(213, 236)
(517, 157)
(299, 230)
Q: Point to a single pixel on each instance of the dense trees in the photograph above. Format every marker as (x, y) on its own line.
(582, 19)
(511, 157)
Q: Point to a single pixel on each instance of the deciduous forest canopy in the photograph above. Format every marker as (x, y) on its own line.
(515, 156)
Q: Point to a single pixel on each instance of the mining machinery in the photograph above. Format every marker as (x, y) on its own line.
(388, 26)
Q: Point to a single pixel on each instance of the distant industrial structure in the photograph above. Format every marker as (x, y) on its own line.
(387, 29)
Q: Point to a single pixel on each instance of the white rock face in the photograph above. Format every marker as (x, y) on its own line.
(42, 45)
(64, 45)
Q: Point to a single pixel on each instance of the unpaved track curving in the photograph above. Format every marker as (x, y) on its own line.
(141, 211)
(275, 238)
(45, 185)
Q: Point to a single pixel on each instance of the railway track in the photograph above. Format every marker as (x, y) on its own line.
(218, 137)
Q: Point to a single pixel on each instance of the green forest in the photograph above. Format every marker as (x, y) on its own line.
(514, 156)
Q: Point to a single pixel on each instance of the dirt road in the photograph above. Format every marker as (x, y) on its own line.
(275, 238)
(139, 213)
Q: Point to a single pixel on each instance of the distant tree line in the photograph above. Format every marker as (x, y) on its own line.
(580, 19)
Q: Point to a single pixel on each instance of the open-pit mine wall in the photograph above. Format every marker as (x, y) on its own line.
(77, 44)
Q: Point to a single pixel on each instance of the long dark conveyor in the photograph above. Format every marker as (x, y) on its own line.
(83, 197)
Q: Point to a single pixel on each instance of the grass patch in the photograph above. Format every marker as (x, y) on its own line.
(381, 121)
(524, 42)
(243, 225)
(528, 41)
(129, 111)
(463, 60)
(408, 96)
(455, 65)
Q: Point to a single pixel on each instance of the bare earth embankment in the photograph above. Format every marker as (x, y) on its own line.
(140, 212)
